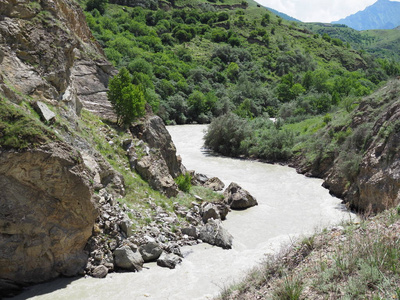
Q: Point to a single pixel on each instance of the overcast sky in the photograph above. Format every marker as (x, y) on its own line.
(318, 10)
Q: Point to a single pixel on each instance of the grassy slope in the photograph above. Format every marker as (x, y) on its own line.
(352, 261)
(382, 43)
(20, 127)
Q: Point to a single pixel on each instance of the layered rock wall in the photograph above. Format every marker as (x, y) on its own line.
(46, 213)
(48, 52)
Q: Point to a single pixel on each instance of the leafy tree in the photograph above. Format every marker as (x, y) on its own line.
(126, 98)
(232, 71)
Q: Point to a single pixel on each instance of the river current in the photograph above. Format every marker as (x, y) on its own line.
(290, 205)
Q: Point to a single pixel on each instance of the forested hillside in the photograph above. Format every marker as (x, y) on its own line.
(382, 43)
(199, 59)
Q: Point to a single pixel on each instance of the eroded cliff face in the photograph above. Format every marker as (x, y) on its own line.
(370, 181)
(59, 213)
(48, 52)
(46, 213)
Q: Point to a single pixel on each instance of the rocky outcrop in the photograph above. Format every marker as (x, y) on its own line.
(49, 56)
(157, 162)
(46, 213)
(238, 198)
(153, 169)
(376, 186)
(365, 169)
(157, 136)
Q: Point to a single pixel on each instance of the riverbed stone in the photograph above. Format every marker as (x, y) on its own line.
(168, 260)
(100, 272)
(214, 234)
(191, 231)
(126, 259)
(150, 251)
(238, 198)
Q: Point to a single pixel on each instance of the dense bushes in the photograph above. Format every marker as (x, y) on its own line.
(226, 133)
(260, 137)
(196, 64)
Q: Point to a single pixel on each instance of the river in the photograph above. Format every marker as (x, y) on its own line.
(289, 205)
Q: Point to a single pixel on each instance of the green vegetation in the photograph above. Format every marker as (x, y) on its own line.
(356, 261)
(381, 43)
(20, 128)
(126, 98)
(184, 182)
(197, 60)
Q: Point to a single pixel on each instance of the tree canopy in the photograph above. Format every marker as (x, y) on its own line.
(127, 99)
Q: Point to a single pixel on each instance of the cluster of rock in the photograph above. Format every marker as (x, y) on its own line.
(114, 245)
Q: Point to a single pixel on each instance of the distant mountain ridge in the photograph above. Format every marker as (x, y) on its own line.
(282, 15)
(383, 14)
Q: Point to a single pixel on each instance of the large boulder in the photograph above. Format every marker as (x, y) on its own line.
(154, 170)
(157, 136)
(238, 198)
(210, 211)
(127, 259)
(214, 234)
(46, 213)
(150, 251)
(215, 184)
(168, 260)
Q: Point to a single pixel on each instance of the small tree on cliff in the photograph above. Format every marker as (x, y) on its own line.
(127, 99)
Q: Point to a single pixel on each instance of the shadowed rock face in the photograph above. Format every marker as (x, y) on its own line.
(46, 213)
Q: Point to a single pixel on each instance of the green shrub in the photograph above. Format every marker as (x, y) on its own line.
(184, 182)
(226, 133)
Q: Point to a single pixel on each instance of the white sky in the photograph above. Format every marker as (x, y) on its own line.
(318, 10)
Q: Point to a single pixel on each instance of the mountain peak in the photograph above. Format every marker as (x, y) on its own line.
(383, 14)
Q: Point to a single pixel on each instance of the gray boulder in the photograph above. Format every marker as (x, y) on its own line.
(238, 198)
(150, 251)
(126, 259)
(168, 260)
(126, 226)
(191, 231)
(44, 112)
(100, 271)
(215, 184)
(210, 211)
(214, 234)
(153, 169)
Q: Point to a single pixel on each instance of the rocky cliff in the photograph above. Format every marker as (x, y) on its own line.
(58, 208)
(47, 52)
(364, 166)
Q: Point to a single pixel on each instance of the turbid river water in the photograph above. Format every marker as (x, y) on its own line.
(289, 205)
